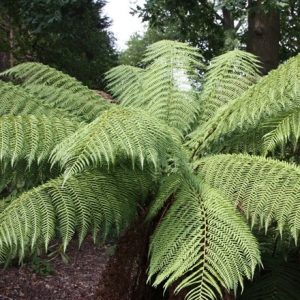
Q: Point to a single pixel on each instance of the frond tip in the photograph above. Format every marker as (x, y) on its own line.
(228, 76)
(203, 242)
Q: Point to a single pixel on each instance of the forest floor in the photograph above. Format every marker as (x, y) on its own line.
(75, 280)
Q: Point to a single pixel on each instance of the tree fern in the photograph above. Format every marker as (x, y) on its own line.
(274, 94)
(227, 77)
(117, 134)
(203, 241)
(265, 190)
(113, 162)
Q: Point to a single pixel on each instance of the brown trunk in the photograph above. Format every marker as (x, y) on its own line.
(264, 35)
(4, 61)
(227, 296)
(228, 22)
(125, 275)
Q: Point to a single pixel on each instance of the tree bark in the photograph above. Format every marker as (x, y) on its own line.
(4, 61)
(125, 276)
(264, 34)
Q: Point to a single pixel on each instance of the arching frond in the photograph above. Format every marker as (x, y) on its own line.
(64, 88)
(127, 85)
(248, 141)
(14, 100)
(92, 201)
(119, 133)
(204, 243)
(271, 96)
(168, 83)
(228, 77)
(266, 190)
(84, 104)
(283, 128)
(30, 138)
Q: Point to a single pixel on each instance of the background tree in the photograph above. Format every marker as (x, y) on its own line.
(215, 26)
(70, 35)
(138, 43)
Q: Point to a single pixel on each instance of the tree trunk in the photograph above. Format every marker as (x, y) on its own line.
(264, 35)
(4, 61)
(125, 276)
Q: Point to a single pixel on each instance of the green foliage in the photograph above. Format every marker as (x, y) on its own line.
(164, 88)
(87, 202)
(49, 32)
(274, 94)
(126, 83)
(227, 77)
(57, 90)
(15, 100)
(41, 266)
(118, 134)
(168, 187)
(280, 281)
(188, 21)
(219, 26)
(32, 138)
(137, 44)
(282, 129)
(257, 186)
(203, 241)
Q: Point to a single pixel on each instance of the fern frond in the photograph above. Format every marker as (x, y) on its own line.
(168, 186)
(59, 89)
(203, 242)
(168, 83)
(91, 201)
(126, 83)
(168, 48)
(266, 190)
(117, 133)
(30, 138)
(14, 100)
(282, 129)
(273, 95)
(84, 105)
(228, 76)
(249, 141)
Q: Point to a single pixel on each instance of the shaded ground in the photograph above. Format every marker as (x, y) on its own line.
(76, 280)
